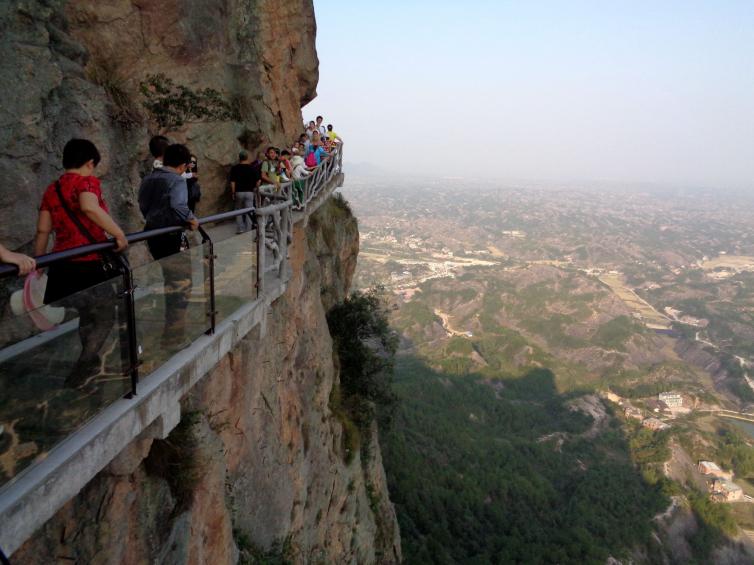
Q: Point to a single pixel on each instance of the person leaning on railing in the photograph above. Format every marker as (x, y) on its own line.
(163, 201)
(74, 210)
(332, 136)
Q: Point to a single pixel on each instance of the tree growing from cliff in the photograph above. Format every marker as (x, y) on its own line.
(171, 105)
(365, 345)
(124, 110)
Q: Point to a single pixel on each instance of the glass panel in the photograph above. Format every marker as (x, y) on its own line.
(172, 305)
(60, 365)
(235, 273)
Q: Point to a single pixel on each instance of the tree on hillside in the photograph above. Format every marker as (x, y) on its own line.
(366, 346)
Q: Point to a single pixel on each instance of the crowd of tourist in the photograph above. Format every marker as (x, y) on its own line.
(74, 212)
(251, 178)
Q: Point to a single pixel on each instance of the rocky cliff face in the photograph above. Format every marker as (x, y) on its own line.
(74, 69)
(259, 464)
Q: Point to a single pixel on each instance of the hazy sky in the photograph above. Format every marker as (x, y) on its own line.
(623, 90)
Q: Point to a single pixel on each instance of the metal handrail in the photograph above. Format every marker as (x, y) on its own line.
(279, 211)
(48, 259)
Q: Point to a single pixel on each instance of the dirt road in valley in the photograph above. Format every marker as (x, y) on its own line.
(450, 330)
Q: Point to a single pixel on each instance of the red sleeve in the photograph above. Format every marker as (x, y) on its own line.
(87, 184)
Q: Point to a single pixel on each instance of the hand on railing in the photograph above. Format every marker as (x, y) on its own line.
(24, 263)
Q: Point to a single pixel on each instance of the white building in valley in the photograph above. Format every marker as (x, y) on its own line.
(671, 399)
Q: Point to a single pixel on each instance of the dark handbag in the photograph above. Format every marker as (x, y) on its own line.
(112, 263)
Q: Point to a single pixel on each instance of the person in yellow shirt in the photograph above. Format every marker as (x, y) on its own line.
(332, 136)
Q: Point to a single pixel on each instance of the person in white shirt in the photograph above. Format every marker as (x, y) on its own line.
(310, 131)
(321, 127)
(300, 172)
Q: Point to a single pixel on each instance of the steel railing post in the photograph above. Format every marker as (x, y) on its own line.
(285, 234)
(211, 265)
(255, 226)
(129, 300)
(261, 228)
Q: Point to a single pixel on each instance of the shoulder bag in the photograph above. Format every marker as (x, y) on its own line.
(112, 263)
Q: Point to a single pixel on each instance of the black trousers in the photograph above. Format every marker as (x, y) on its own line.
(82, 285)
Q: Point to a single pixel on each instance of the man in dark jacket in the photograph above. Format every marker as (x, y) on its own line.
(163, 203)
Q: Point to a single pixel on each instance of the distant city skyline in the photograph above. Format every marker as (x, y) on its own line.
(656, 92)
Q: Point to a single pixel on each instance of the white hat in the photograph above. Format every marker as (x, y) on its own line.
(30, 300)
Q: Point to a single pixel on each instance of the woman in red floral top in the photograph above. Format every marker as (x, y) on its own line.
(66, 280)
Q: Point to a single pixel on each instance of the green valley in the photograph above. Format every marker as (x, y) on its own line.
(564, 367)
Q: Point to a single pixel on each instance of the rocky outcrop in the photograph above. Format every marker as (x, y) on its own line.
(697, 354)
(258, 466)
(74, 69)
(676, 530)
(259, 463)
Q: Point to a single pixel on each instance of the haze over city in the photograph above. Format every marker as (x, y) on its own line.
(550, 91)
